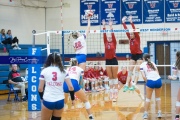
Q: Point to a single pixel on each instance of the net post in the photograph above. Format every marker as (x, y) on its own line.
(63, 47)
(48, 42)
(33, 41)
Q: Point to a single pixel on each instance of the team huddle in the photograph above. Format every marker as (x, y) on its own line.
(79, 78)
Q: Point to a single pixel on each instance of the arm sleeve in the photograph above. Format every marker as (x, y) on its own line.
(135, 33)
(141, 67)
(174, 67)
(67, 75)
(104, 36)
(127, 33)
(10, 76)
(42, 75)
(113, 38)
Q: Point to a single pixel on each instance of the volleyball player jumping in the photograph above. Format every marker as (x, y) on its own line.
(111, 60)
(136, 54)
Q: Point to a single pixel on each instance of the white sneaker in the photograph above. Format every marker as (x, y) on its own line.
(15, 48)
(18, 48)
(141, 96)
(145, 115)
(159, 115)
(13, 44)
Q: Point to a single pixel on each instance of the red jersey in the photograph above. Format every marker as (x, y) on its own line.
(96, 73)
(134, 43)
(90, 73)
(110, 47)
(105, 73)
(122, 77)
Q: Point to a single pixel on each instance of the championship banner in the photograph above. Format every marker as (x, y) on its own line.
(34, 103)
(172, 12)
(89, 5)
(134, 8)
(110, 10)
(153, 11)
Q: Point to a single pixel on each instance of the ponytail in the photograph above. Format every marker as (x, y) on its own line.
(177, 64)
(151, 65)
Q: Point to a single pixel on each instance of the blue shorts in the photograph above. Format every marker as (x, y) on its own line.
(75, 85)
(54, 105)
(81, 58)
(154, 84)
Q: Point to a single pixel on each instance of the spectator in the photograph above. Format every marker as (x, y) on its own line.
(2, 38)
(15, 78)
(14, 41)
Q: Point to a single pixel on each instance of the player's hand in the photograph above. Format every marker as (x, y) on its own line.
(103, 22)
(172, 77)
(130, 19)
(124, 19)
(110, 23)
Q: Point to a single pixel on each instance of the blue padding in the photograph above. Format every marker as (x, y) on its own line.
(2, 79)
(4, 68)
(3, 87)
(4, 73)
(26, 46)
(23, 66)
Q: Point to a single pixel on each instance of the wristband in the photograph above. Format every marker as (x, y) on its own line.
(72, 95)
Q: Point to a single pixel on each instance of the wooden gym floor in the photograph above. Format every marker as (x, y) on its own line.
(128, 107)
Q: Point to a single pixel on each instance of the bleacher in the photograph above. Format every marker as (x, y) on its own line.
(4, 68)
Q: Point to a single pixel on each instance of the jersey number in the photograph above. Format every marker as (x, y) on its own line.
(54, 76)
(72, 69)
(78, 45)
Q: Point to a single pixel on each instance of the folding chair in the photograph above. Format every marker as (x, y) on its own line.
(13, 90)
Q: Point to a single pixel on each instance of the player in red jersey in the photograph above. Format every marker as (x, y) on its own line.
(111, 61)
(136, 54)
(122, 77)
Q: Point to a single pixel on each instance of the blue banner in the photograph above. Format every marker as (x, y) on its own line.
(22, 59)
(89, 5)
(34, 103)
(153, 11)
(110, 10)
(172, 13)
(134, 8)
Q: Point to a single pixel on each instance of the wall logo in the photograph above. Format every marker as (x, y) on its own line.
(110, 6)
(152, 5)
(131, 5)
(89, 7)
(175, 4)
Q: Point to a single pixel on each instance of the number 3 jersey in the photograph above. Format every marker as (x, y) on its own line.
(75, 72)
(149, 72)
(80, 45)
(54, 80)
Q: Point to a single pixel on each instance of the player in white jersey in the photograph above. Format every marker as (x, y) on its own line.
(52, 77)
(74, 73)
(80, 46)
(176, 73)
(151, 75)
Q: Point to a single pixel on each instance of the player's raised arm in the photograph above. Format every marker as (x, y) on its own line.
(104, 28)
(88, 26)
(112, 33)
(125, 27)
(133, 26)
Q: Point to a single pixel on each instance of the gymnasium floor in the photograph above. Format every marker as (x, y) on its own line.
(128, 107)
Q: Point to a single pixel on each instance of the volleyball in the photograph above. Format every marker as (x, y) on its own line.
(89, 13)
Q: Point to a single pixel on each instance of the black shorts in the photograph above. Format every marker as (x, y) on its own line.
(136, 57)
(111, 61)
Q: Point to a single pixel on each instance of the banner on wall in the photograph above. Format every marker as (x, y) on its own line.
(134, 8)
(89, 5)
(110, 10)
(153, 11)
(172, 13)
(34, 103)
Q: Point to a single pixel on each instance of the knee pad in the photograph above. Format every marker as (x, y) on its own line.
(87, 105)
(147, 100)
(130, 73)
(137, 73)
(106, 79)
(178, 103)
(55, 118)
(85, 81)
(115, 81)
(92, 83)
(157, 99)
(111, 82)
